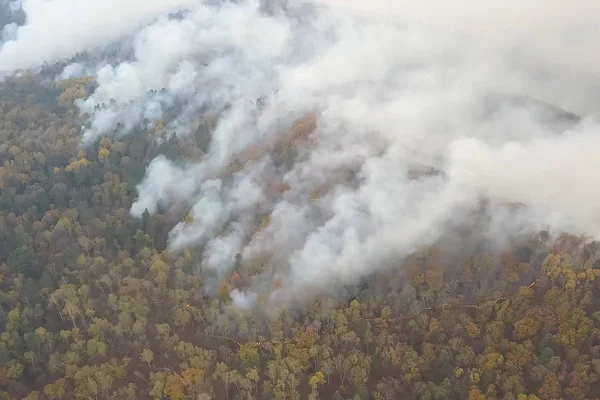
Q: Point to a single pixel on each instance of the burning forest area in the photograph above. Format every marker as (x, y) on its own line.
(286, 200)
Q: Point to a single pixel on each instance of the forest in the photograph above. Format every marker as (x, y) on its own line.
(93, 306)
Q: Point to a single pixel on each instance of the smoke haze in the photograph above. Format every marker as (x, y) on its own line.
(349, 134)
(59, 29)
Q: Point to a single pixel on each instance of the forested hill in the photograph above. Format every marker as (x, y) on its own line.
(93, 307)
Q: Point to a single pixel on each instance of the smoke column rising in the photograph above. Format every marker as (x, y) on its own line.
(379, 127)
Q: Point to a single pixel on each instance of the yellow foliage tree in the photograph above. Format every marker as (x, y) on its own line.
(75, 165)
(103, 153)
(174, 387)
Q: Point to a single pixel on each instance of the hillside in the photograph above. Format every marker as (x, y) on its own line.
(299, 200)
(92, 305)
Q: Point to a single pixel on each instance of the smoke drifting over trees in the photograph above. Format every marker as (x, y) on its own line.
(326, 117)
(299, 199)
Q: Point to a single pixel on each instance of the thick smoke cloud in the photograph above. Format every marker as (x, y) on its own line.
(350, 135)
(57, 29)
(564, 35)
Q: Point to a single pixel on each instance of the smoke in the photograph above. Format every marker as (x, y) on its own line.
(349, 134)
(10, 17)
(57, 29)
(563, 35)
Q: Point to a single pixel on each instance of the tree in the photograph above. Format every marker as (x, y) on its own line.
(223, 374)
(526, 328)
(147, 356)
(56, 390)
(174, 387)
(24, 260)
(315, 382)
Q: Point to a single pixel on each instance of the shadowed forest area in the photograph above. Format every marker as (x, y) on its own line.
(92, 306)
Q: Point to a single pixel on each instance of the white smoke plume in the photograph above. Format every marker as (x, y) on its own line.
(350, 134)
(57, 29)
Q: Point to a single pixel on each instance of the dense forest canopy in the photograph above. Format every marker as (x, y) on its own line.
(266, 200)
